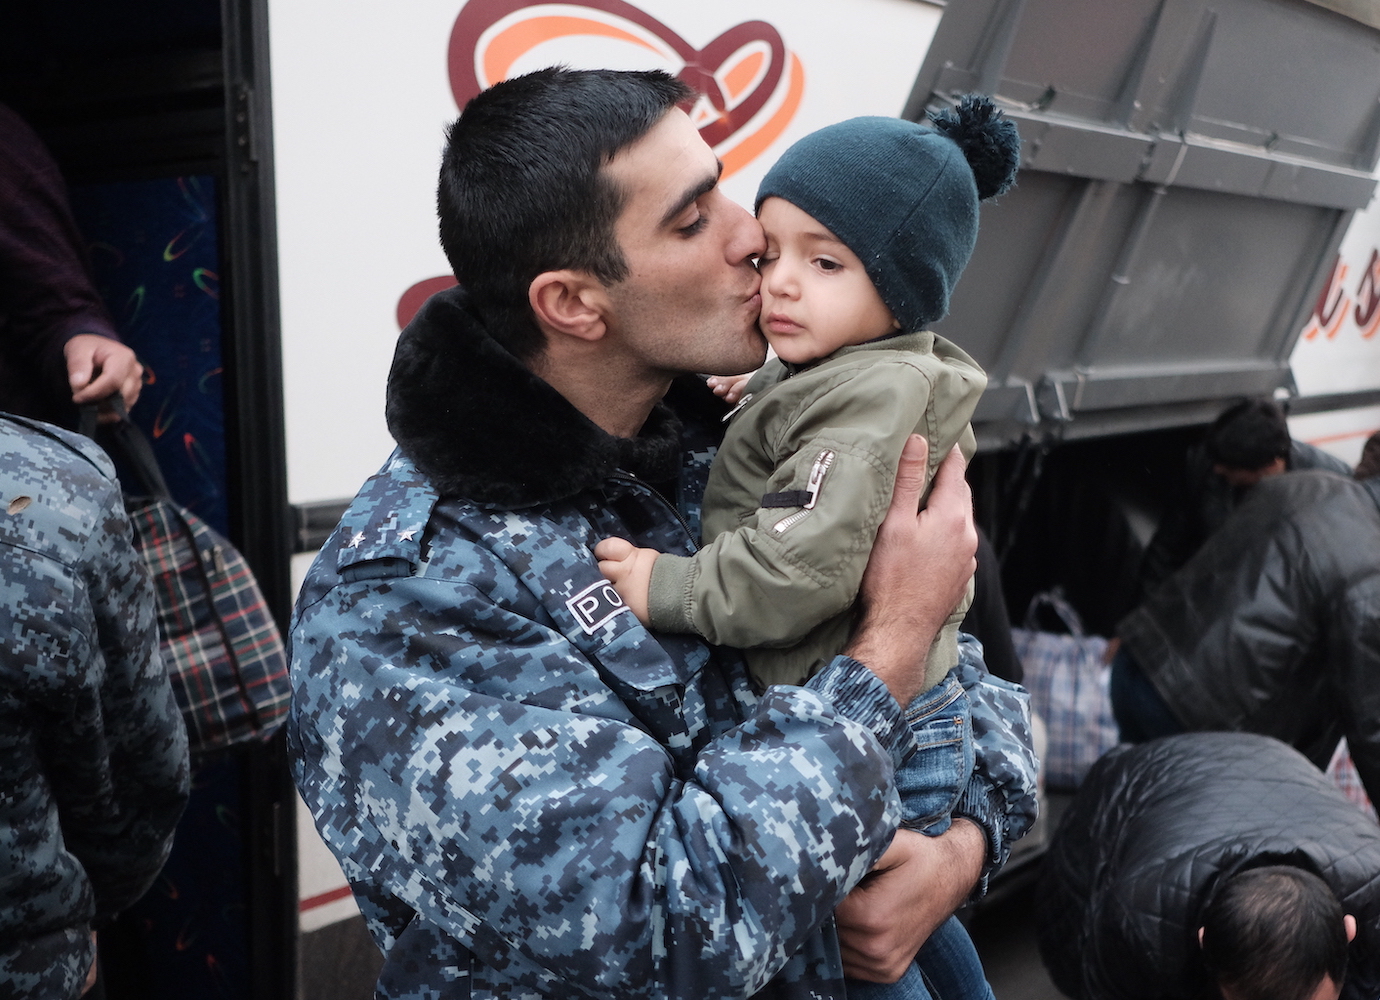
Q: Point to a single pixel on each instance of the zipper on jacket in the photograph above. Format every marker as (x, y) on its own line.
(629, 479)
(812, 488)
(716, 653)
(817, 471)
(734, 412)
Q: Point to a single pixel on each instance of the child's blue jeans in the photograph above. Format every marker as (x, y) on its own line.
(933, 778)
(930, 783)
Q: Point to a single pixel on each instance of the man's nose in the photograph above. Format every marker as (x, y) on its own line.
(747, 240)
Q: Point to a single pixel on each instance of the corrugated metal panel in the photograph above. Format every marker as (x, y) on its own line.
(1188, 171)
(1365, 11)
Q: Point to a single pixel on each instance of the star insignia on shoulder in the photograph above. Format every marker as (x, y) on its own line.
(406, 536)
(356, 540)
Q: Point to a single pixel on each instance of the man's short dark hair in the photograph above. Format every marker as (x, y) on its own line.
(1272, 933)
(1249, 435)
(523, 190)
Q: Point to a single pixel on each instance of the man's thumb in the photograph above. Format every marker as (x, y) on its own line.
(613, 548)
(910, 474)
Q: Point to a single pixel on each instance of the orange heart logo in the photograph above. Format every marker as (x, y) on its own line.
(750, 86)
(738, 74)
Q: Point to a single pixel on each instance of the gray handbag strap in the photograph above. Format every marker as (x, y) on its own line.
(1055, 601)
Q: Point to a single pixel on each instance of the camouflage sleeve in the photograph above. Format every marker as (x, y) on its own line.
(1001, 795)
(122, 828)
(470, 765)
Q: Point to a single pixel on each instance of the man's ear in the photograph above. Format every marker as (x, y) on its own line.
(1349, 922)
(569, 302)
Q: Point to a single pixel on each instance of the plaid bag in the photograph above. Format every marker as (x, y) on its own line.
(219, 643)
(1069, 690)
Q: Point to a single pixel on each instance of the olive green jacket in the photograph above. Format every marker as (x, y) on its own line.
(797, 491)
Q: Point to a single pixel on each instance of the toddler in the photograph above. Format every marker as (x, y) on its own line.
(869, 224)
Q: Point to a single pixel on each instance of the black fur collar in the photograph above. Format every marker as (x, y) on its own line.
(480, 425)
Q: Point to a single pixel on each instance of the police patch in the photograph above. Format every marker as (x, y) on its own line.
(595, 605)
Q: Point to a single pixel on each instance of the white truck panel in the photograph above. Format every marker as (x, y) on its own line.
(361, 97)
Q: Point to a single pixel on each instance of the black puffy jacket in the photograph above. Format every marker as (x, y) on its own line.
(1274, 625)
(1203, 501)
(1154, 828)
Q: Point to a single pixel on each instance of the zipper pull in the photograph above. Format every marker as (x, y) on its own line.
(734, 412)
(817, 471)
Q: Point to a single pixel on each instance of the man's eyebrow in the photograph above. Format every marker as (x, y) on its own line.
(698, 191)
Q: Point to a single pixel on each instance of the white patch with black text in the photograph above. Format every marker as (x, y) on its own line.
(595, 605)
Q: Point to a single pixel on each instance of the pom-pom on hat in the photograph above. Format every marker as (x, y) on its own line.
(903, 196)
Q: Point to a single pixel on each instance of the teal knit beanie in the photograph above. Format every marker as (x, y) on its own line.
(903, 196)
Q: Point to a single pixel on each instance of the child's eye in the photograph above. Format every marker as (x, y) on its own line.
(765, 259)
(825, 264)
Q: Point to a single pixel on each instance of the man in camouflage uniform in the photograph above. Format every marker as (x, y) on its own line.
(532, 795)
(93, 753)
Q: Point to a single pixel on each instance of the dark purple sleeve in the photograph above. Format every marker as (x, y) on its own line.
(46, 295)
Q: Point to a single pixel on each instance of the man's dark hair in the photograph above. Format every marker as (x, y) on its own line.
(1272, 933)
(522, 188)
(1249, 435)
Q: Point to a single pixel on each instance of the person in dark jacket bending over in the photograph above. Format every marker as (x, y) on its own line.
(1247, 443)
(1207, 864)
(1272, 627)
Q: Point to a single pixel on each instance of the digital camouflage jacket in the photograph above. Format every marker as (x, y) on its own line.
(93, 753)
(531, 794)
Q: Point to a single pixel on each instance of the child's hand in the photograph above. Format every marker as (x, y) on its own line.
(629, 569)
(730, 387)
